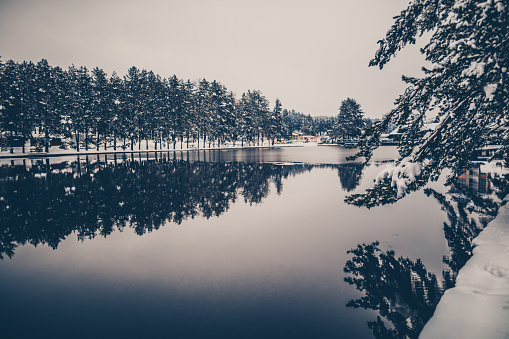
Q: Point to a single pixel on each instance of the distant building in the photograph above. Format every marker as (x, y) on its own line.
(298, 136)
(473, 179)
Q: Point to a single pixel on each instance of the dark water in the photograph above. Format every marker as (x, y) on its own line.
(213, 244)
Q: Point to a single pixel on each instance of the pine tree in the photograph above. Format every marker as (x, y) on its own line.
(466, 92)
(245, 113)
(275, 129)
(102, 106)
(203, 110)
(48, 100)
(218, 113)
(349, 122)
(12, 105)
(133, 104)
(308, 125)
(230, 118)
(189, 101)
(117, 124)
(72, 119)
(260, 111)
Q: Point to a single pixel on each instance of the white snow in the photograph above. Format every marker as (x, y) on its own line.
(478, 306)
(401, 175)
(489, 90)
(476, 68)
(54, 150)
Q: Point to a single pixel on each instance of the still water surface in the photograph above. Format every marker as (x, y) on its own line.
(212, 244)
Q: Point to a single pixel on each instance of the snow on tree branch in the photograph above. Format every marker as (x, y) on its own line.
(401, 175)
(466, 91)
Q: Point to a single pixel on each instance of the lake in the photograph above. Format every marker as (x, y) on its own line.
(246, 243)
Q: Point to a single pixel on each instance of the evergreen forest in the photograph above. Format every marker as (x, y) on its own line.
(82, 109)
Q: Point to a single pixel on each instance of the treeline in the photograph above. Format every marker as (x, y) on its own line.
(39, 102)
(308, 125)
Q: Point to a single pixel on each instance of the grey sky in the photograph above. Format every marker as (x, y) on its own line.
(309, 54)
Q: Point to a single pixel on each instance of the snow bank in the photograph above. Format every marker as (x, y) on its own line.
(478, 306)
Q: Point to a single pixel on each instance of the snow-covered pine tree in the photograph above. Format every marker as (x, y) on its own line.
(219, 113)
(245, 118)
(10, 101)
(275, 130)
(189, 102)
(465, 91)
(349, 122)
(48, 99)
(203, 110)
(117, 117)
(132, 103)
(260, 110)
(102, 107)
(231, 118)
(83, 102)
(308, 125)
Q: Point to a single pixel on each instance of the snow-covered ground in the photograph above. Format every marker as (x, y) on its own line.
(55, 150)
(478, 306)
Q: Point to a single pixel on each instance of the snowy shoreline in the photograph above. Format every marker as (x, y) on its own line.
(478, 306)
(56, 152)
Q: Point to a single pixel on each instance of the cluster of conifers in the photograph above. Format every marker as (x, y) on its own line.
(39, 102)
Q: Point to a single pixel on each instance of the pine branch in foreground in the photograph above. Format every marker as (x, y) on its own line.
(465, 93)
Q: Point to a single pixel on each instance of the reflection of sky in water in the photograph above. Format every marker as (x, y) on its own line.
(267, 270)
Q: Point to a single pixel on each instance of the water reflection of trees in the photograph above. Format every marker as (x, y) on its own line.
(45, 203)
(350, 175)
(469, 209)
(403, 292)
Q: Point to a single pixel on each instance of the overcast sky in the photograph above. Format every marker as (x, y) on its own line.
(309, 54)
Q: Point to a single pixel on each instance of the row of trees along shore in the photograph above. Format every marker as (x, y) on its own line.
(39, 102)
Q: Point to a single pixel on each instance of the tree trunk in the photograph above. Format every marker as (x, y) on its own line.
(86, 139)
(77, 141)
(46, 140)
(12, 143)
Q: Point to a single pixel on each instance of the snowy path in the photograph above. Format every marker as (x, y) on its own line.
(478, 306)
